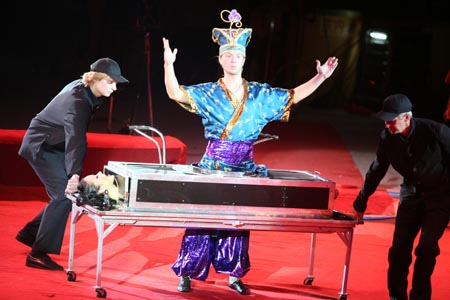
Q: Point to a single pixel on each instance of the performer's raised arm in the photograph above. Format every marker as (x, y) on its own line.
(170, 79)
(323, 72)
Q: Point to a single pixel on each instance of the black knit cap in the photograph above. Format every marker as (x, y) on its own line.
(110, 67)
(393, 106)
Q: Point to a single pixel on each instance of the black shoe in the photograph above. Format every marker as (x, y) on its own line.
(185, 284)
(25, 238)
(42, 262)
(240, 287)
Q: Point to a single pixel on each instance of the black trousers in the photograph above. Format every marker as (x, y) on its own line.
(418, 212)
(49, 225)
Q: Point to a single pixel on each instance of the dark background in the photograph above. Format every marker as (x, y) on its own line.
(46, 44)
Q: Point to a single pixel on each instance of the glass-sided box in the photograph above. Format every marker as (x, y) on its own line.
(189, 189)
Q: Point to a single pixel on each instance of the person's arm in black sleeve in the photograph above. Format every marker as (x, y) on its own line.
(76, 123)
(373, 177)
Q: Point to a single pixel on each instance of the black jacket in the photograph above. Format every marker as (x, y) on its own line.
(62, 125)
(422, 158)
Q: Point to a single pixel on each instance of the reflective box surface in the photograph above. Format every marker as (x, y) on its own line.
(189, 189)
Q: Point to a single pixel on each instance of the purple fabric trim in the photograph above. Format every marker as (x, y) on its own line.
(230, 152)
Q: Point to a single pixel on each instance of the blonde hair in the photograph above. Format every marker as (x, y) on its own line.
(89, 77)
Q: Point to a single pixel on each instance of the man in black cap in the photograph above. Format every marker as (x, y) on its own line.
(55, 146)
(419, 150)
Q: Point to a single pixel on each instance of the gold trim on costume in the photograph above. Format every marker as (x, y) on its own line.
(233, 99)
(237, 112)
(287, 109)
(191, 106)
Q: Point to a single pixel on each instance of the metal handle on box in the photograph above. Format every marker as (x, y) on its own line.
(265, 137)
(139, 128)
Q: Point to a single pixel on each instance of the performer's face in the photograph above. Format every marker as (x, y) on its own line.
(399, 125)
(232, 62)
(103, 182)
(104, 87)
(100, 179)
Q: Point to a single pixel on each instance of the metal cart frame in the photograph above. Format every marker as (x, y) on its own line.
(107, 221)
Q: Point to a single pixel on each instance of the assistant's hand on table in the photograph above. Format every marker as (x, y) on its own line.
(358, 216)
(72, 184)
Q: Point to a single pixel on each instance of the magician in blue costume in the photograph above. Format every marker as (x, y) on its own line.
(234, 111)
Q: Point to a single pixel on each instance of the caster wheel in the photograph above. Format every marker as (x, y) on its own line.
(308, 281)
(101, 292)
(71, 276)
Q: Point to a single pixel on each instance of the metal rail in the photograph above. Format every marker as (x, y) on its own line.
(107, 221)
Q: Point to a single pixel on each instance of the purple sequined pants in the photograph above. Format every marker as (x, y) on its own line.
(226, 250)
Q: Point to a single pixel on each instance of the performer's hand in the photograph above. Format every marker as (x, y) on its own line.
(327, 68)
(169, 55)
(358, 216)
(72, 184)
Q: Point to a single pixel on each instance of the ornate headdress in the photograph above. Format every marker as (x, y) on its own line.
(235, 39)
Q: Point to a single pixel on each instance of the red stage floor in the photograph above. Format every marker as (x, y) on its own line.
(137, 264)
(137, 260)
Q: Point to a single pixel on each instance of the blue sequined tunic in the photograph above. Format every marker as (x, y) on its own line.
(231, 126)
(235, 122)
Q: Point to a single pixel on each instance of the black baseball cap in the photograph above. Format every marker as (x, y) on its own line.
(393, 106)
(110, 67)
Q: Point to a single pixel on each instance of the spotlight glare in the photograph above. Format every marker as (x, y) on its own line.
(376, 35)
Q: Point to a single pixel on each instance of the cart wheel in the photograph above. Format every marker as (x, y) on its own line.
(71, 276)
(101, 292)
(308, 281)
(343, 297)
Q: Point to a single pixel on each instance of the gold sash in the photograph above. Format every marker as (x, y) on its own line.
(238, 110)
